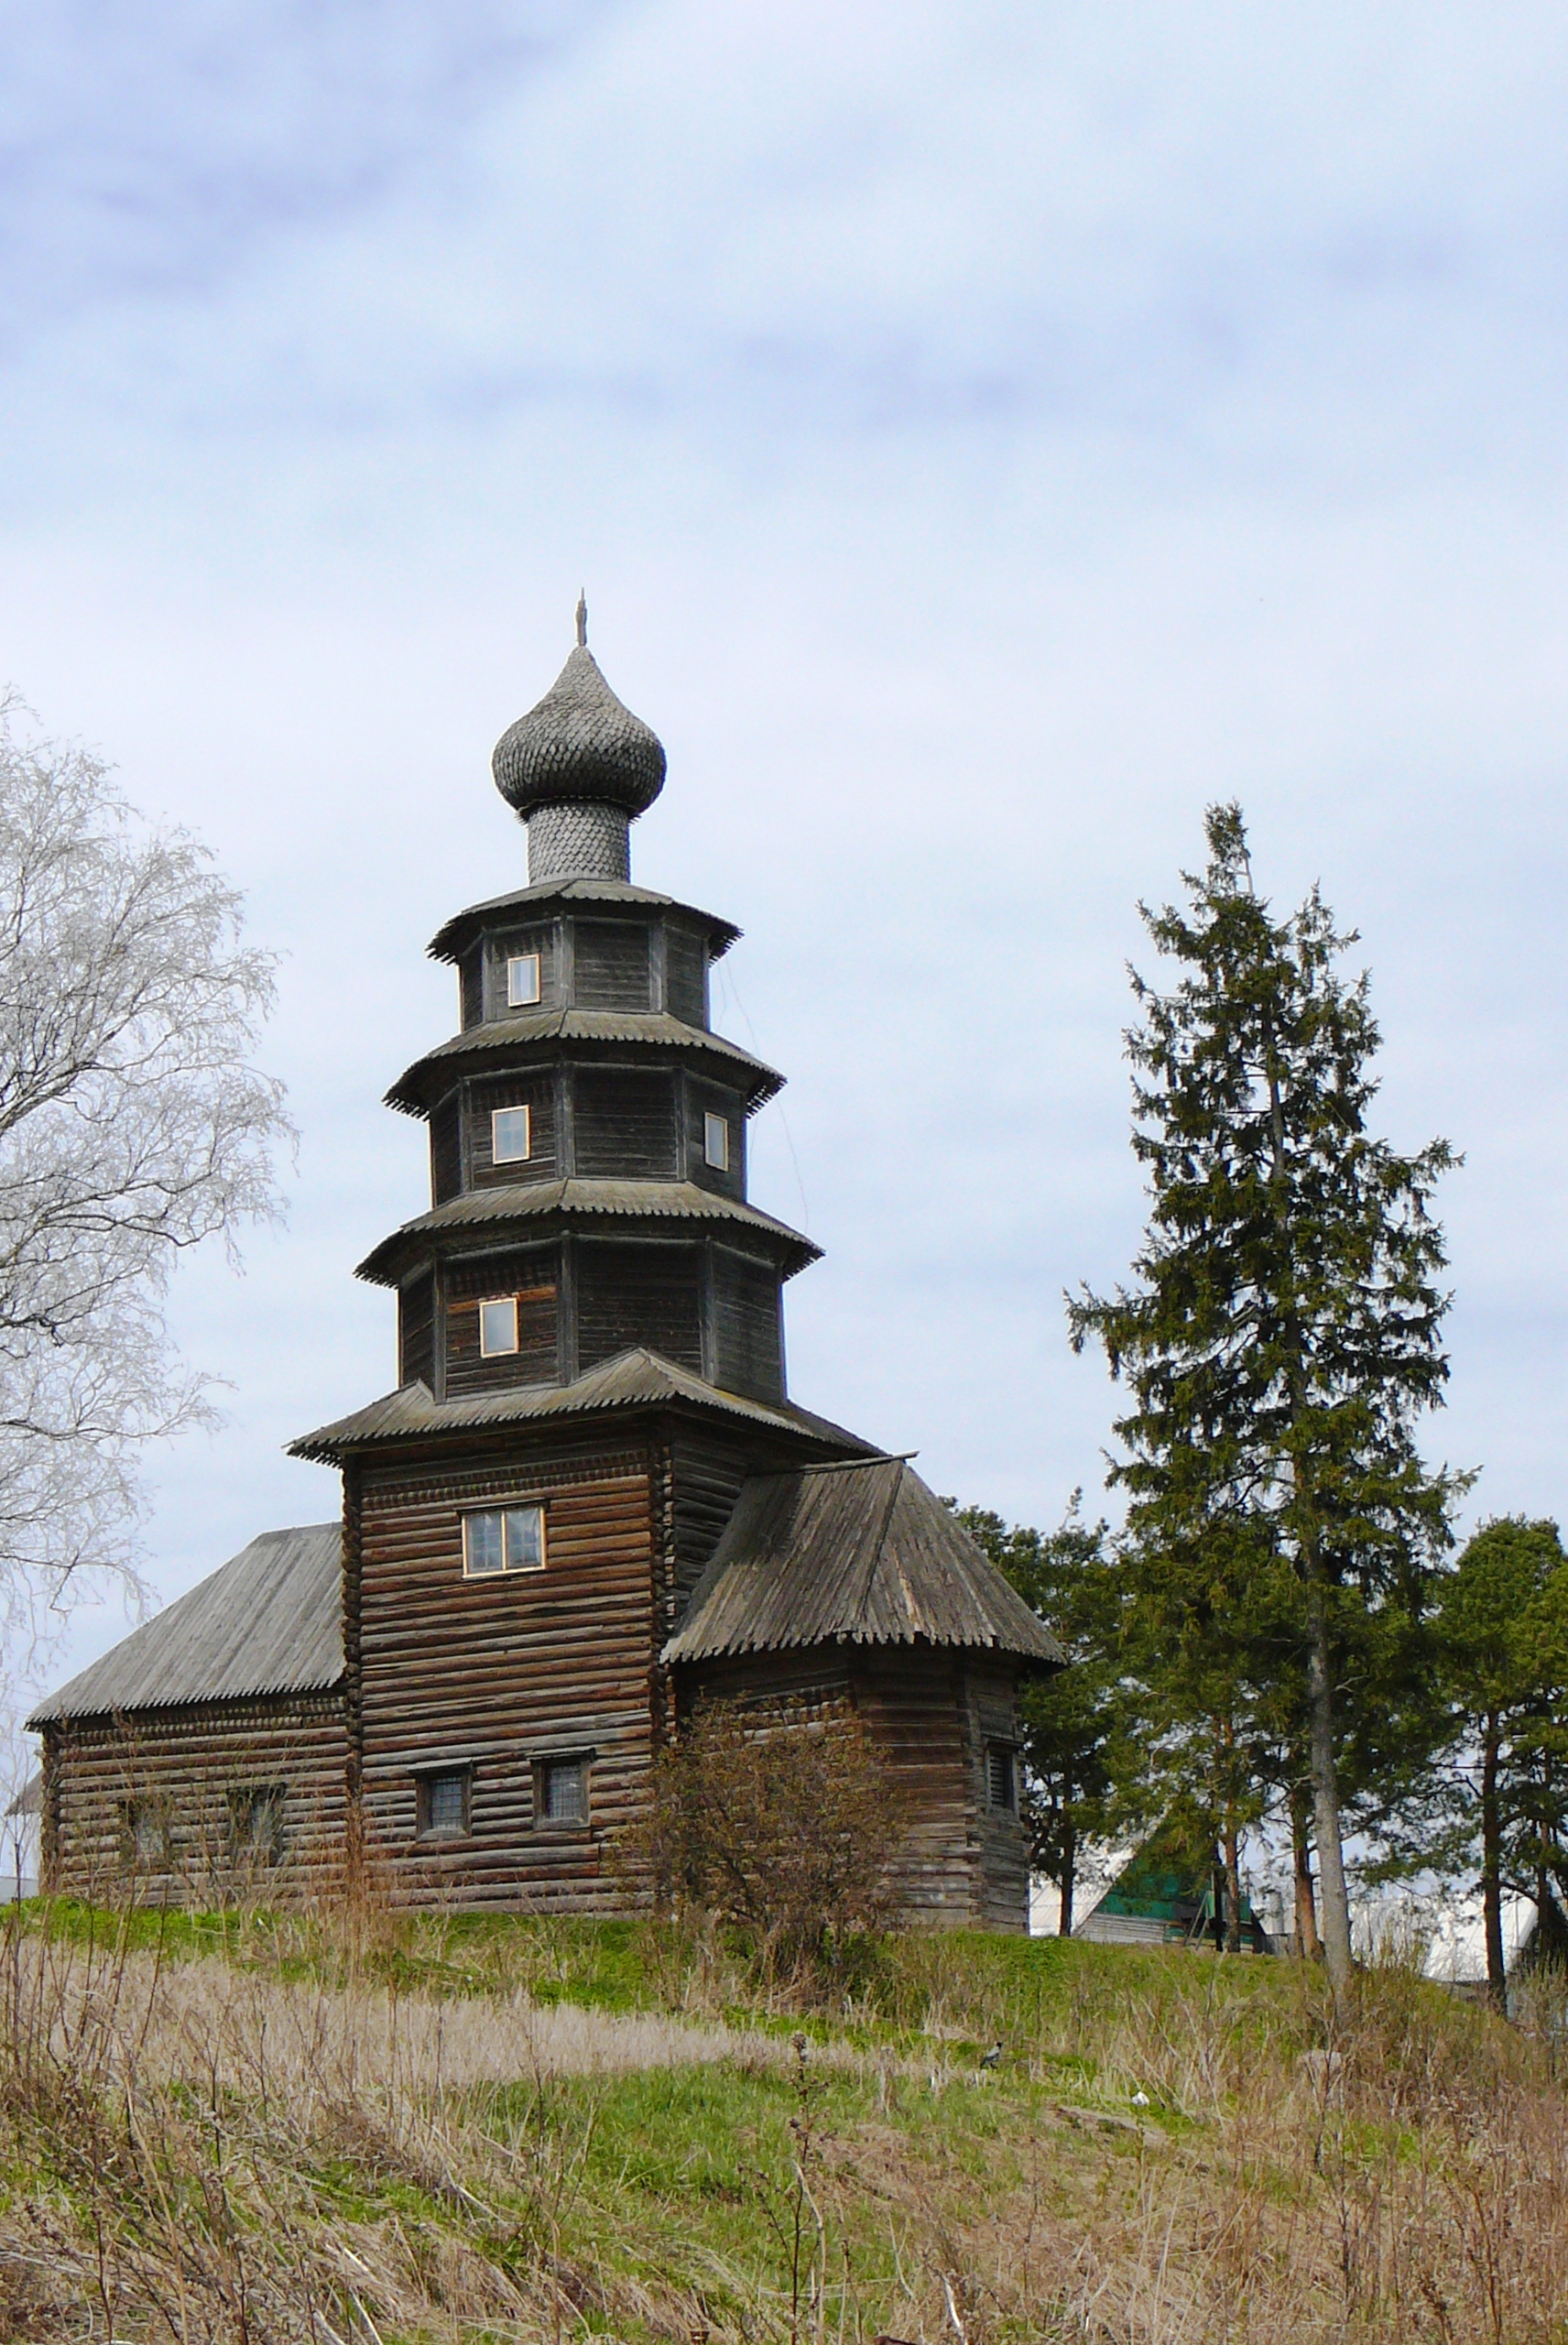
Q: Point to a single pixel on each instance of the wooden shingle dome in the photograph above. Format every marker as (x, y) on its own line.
(578, 768)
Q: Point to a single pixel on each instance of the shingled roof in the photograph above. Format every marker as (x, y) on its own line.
(450, 942)
(436, 1072)
(624, 1200)
(864, 1553)
(269, 1622)
(633, 1380)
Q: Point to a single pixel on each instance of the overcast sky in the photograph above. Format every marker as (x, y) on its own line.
(987, 433)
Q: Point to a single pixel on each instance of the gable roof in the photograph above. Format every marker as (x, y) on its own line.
(862, 1553)
(631, 1379)
(269, 1622)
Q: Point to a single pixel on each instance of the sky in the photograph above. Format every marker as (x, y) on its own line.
(987, 435)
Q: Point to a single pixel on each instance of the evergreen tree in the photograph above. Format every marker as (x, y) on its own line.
(1503, 1621)
(1281, 1337)
(1084, 1770)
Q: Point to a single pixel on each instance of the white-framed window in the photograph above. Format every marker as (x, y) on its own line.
(511, 1136)
(522, 980)
(716, 1141)
(498, 1326)
(442, 1807)
(503, 1539)
(563, 1791)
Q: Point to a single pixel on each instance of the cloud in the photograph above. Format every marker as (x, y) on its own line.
(151, 151)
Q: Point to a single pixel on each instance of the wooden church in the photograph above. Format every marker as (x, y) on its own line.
(590, 1501)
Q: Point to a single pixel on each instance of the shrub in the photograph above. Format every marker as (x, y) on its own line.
(779, 1826)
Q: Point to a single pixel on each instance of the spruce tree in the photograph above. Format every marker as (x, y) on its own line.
(1280, 1338)
(1503, 1622)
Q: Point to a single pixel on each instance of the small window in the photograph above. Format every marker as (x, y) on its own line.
(498, 1326)
(443, 1805)
(255, 1822)
(1002, 1777)
(503, 1539)
(563, 1791)
(716, 1141)
(510, 1137)
(522, 980)
(144, 1833)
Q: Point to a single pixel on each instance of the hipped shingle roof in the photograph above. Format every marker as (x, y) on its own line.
(864, 1553)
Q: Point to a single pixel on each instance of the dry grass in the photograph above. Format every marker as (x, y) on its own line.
(1167, 2150)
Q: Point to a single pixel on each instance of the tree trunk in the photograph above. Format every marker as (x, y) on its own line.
(1068, 1881)
(1325, 1792)
(1492, 1865)
(1302, 1854)
(1232, 1845)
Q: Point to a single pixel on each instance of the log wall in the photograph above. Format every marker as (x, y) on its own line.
(191, 1772)
(496, 1677)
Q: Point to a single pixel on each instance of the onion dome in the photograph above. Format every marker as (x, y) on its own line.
(580, 746)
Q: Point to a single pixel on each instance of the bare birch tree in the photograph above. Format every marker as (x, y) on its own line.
(134, 1125)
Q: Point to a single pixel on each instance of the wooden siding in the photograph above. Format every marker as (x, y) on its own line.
(707, 1469)
(535, 1091)
(417, 1331)
(955, 1863)
(748, 1326)
(685, 973)
(497, 1677)
(611, 964)
(530, 1275)
(630, 1295)
(470, 986)
(446, 1149)
(624, 1124)
(500, 949)
(991, 1706)
(190, 1766)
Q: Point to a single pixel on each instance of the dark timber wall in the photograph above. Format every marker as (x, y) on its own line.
(957, 1862)
(194, 1768)
(495, 1676)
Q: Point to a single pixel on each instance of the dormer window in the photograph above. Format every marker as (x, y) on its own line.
(503, 1539)
(511, 1140)
(522, 980)
(498, 1326)
(716, 1141)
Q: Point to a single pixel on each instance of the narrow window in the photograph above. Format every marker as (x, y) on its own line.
(144, 1833)
(442, 1804)
(498, 1326)
(522, 980)
(503, 1539)
(716, 1141)
(510, 1141)
(563, 1791)
(1001, 1777)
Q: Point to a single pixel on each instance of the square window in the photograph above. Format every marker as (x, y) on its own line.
(522, 980)
(716, 1141)
(503, 1539)
(563, 1791)
(443, 1805)
(1002, 1777)
(510, 1139)
(498, 1326)
(256, 1819)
